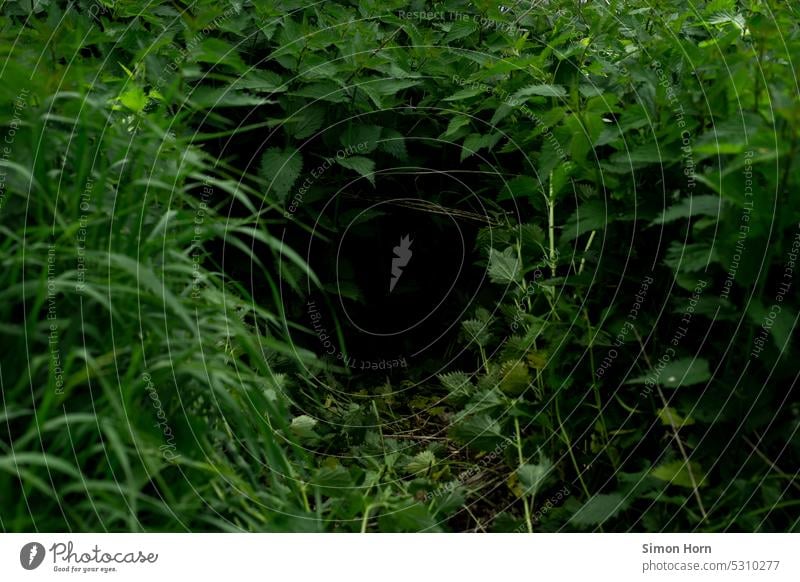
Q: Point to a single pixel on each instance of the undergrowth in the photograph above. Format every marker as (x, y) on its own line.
(616, 352)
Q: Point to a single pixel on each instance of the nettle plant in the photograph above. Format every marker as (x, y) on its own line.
(630, 169)
(595, 126)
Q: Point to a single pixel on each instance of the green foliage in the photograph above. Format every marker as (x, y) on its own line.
(635, 167)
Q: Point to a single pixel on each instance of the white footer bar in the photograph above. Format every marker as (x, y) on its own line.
(401, 557)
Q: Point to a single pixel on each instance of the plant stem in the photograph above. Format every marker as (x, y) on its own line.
(586, 250)
(596, 389)
(675, 428)
(551, 225)
(525, 503)
(365, 520)
(567, 441)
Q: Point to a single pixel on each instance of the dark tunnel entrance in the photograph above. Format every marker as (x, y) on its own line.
(399, 274)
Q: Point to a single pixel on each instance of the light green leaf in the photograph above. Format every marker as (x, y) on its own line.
(303, 426)
(134, 98)
(533, 477)
(214, 97)
(677, 473)
(465, 94)
(598, 509)
(504, 267)
(362, 165)
(669, 417)
(421, 463)
(681, 372)
(514, 377)
(541, 91)
(477, 331)
(481, 432)
(455, 381)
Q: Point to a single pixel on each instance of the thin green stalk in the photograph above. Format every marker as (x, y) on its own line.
(525, 503)
(675, 428)
(586, 250)
(365, 520)
(596, 390)
(568, 442)
(551, 225)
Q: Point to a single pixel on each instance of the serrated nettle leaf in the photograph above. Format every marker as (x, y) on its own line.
(410, 516)
(681, 473)
(361, 137)
(503, 110)
(459, 29)
(531, 236)
(134, 98)
(303, 426)
(731, 136)
(392, 86)
(505, 266)
(599, 508)
(561, 177)
(333, 481)
(260, 82)
(651, 153)
(306, 122)
(677, 373)
(705, 205)
(393, 143)
(455, 381)
(781, 324)
(280, 169)
(465, 94)
(455, 124)
(364, 166)
(328, 91)
(589, 216)
(211, 98)
(690, 258)
(532, 477)
(670, 417)
(481, 432)
(477, 331)
(541, 91)
(514, 377)
(318, 68)
(475, 142)
(218, 52)
(421, 463)
(520, 188)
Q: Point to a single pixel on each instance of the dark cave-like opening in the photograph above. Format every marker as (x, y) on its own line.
(399, 274)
